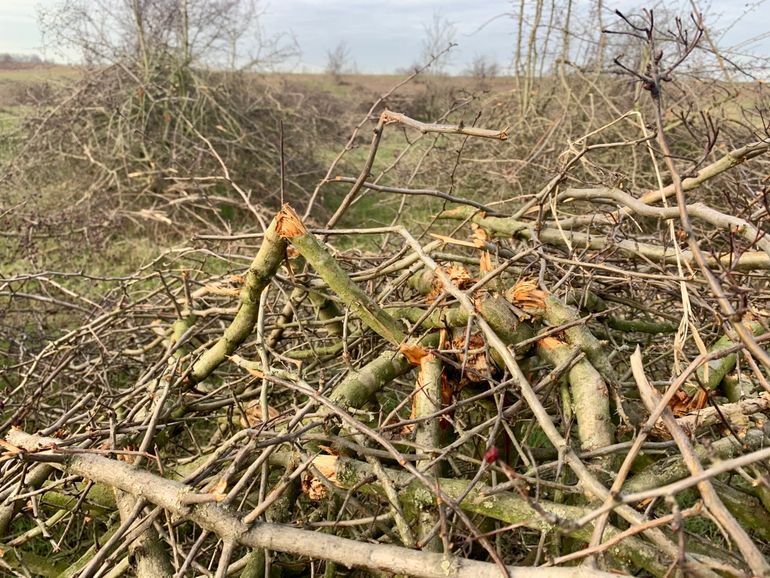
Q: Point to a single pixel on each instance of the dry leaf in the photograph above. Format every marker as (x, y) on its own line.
(681, 404)
(291, 253)
(312, 486)
(128, 458)
(253, 412)
(476, 359)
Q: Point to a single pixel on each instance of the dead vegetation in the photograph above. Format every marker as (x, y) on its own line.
(548, 357)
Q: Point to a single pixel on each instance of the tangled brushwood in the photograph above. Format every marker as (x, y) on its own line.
(554, 365)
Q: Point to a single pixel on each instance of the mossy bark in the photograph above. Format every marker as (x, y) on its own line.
(261, 271)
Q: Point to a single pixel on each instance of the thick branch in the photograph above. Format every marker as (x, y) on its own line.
(390, 116)
(503, 227)
(170, 495)
(261, 271)
(290, 227)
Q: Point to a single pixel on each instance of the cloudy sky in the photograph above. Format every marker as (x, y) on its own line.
(385, 35)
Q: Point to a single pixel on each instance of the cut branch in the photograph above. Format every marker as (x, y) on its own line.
(170, 495)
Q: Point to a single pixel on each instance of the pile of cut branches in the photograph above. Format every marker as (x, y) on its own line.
(572, 382)
(461, 401)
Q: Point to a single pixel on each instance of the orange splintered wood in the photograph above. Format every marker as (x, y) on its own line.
(480, 238)
(218, 491)
(255, 372)
(423, 358)
(288, 224)
(414, 353)
(550, 343)
(327, 466)
(526, 295)
(452, 241)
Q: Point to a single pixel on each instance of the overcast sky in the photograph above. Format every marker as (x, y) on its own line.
(383, 36)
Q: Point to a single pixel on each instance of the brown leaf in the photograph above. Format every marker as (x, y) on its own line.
(682, 404)
(253, 413)
(292, 253)
(312, 486)
(476, 359)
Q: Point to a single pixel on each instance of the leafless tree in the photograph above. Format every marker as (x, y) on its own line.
(482, 67)
(439, 33)
(219, 33)
(339, 61)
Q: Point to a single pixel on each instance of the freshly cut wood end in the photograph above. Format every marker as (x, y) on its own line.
(218, 491)
(414, 353)
(526, 295)
(288, 224)
(485, 263)
(327, 465)
(550, 343)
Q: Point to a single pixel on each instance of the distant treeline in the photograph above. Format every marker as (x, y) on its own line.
(8, 60)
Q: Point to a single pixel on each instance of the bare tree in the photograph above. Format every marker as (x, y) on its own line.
(439, 33)
(338, 61)
(222, 33)
(482, 68)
